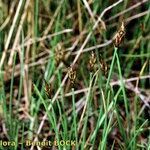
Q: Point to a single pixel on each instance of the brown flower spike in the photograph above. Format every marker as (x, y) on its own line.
(103, 66)
(119, 35)
(92, 61)
(48, 89)
(59, 54)
(72, 75)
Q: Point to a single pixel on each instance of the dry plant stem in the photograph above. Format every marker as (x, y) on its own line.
(32, 41)
(75, 60)
(9, 16)
(137, 42)
(78, 105)
(104, 101)
(10, 33)
(141, 72)
(141, 110)
(53, 18)
(87, 99)
(89, 10)
(87, 142)
(41, 62)
(129, 80)
(94, 47)
(84, 110)
(18, 32)
(144, 98)
(127, 10)
(24, 73)
(137, 16)
(79, 15)
(112, 83)
(132, 18)
(28, 60)
(26, 87)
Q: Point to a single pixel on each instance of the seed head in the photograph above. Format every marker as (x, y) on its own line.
(48, 89)
(92, 61)
(59, 54)
(72, 75)
(119, 35)
(103, 66)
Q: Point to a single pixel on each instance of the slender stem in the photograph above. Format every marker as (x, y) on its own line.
(74, 116)
(123, 90)
(111, 68)
(122, 83)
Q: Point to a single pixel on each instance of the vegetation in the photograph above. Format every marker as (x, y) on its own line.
(74, 74)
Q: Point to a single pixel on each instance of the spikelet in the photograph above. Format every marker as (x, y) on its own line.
(59, 54)
(71, 75)
(104, 67)
(48, 89)
(92, 62)
(119, 35)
